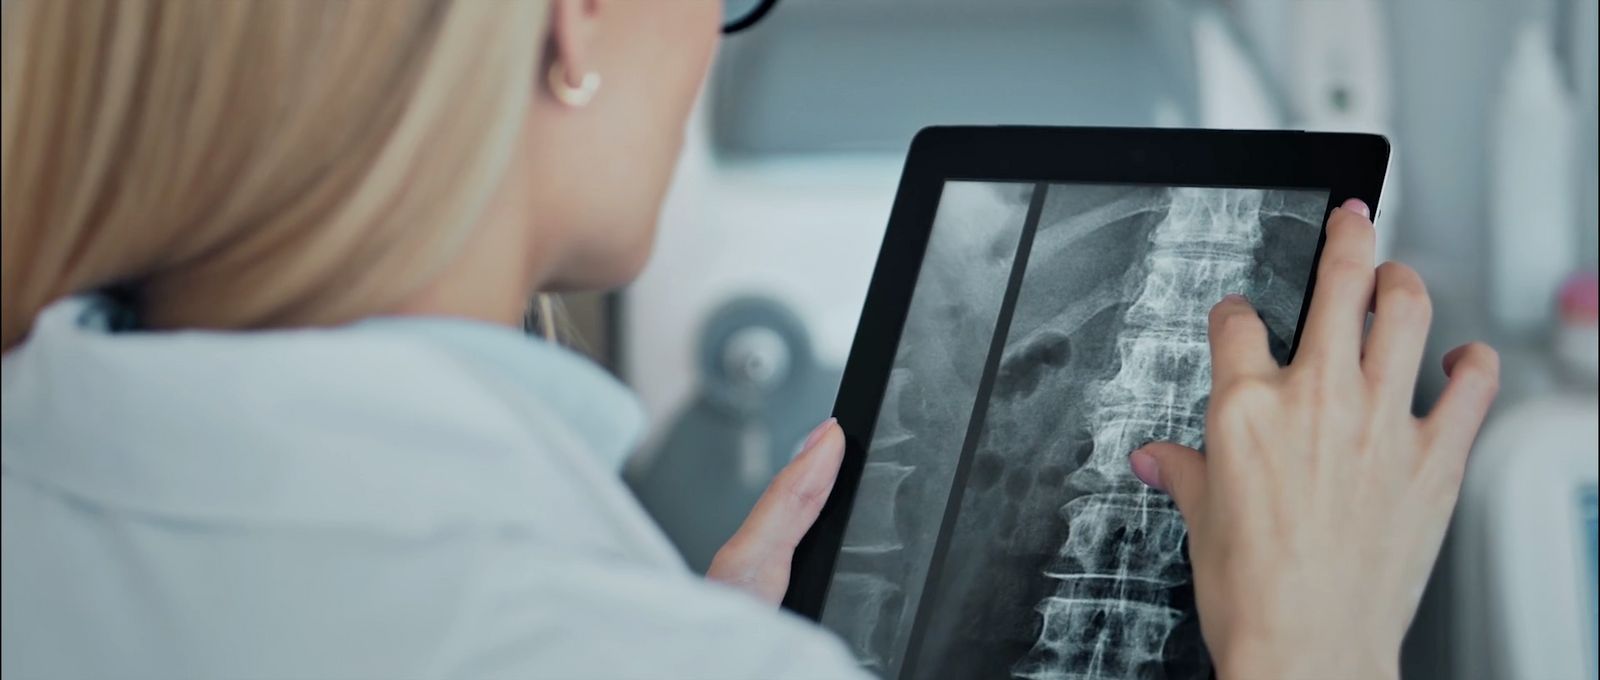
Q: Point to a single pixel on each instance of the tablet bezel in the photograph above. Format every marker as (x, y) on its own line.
(1345, 164)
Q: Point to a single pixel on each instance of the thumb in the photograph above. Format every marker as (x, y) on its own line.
(757, 557)
(1178, 470)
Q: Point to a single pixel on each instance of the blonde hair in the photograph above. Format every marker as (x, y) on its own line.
(252, 164)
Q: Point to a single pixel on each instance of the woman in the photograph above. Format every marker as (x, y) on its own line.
(267, 413)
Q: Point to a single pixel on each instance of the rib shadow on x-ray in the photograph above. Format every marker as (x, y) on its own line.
(889, 542)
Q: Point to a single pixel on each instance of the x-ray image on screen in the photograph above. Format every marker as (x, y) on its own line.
(997, 530)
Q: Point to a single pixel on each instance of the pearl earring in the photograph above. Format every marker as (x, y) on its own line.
(575, 97)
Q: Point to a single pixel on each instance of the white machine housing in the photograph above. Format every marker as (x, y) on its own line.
(1522, 553)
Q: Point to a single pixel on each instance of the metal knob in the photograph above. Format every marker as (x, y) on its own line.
(756, 358)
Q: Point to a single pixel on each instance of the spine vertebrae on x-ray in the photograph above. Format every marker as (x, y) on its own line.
(1112, 610)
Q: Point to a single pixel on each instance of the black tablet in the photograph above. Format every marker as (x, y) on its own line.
(1038, 311)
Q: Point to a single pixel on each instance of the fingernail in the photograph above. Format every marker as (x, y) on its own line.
(816, 434)
(1358, 207)
(1146, 469)
(1234, 297)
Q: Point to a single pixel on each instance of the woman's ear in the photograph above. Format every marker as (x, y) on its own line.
(573, 25)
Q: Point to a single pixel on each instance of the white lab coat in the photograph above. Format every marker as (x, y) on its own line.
(394, 499)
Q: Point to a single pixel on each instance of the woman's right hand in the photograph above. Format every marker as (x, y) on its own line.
(1318, 509)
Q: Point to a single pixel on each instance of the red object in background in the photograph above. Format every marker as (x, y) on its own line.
(1579, 300)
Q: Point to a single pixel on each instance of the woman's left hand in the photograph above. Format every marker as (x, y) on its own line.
(756, 560)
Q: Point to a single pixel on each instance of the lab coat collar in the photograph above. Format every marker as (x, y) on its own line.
(603, 411)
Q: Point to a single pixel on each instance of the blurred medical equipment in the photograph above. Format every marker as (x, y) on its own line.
(1522, 560)
(1577, 340)
(759, 381)
(1533, 158)
(1516, 589)
(1524, 546)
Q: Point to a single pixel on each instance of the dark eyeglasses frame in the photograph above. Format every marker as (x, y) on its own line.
(749, 18)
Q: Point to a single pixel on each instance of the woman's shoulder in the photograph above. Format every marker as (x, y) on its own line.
(302, 497)
(413, 427)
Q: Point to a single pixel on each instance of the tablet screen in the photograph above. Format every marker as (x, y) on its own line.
(1054, 328)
